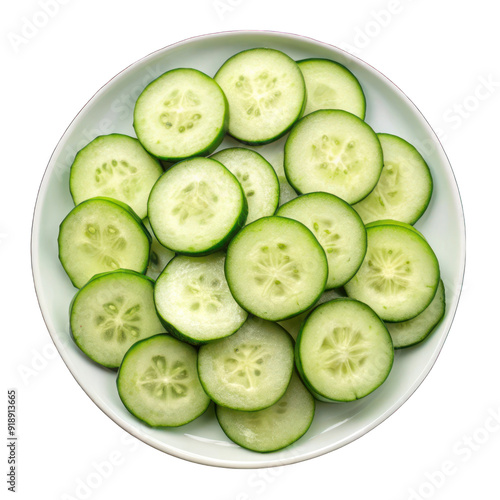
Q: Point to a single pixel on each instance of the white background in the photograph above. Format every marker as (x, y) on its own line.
(440, 54)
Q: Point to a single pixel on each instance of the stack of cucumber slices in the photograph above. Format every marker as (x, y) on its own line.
(200, 288)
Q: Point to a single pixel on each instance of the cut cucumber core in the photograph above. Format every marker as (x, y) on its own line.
(112, 312)
(333, 151)
(182, 113)
(266, 93)
(344, 351)
(399, 275)
(158, 382)
(276, 268)
(249, 370)
(196, 207)
(193, 299)
(115, 166)
(101, 235)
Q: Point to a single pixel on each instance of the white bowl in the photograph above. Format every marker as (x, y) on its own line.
(110, 110)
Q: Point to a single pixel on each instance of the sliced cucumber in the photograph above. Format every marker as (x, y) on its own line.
(158, 382)
(193, 299)
(413, 331)
(159, 255)
(333, 151)
(330, 85)
(101, 235)
(266, 94)
(196, 207)
(399, 275)
(182, 113)
(111, 312)
(344, 351)
(115, 166)
(275, 427)
(404, 189)
(257, 178)
(337, 227)
(249, 370)
(276, 268)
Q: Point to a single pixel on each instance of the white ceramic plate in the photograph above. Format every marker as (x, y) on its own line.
(110, 110)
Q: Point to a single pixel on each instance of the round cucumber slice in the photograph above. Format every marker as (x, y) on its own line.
(266, 93)
(275, 427)
(182, 113)
(101, 235)
(193, 299)
(337, 227)
(399, 275)
(331, 85)
(257, 178)
(414, 331)
(404, 189)
(158, 382)
(344, 351)
(276, 268)
(115, 166)
(111, 312)
(333, 151)
(249, 370)
(196, 207)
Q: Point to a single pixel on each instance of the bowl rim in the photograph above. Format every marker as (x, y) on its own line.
(278, 459)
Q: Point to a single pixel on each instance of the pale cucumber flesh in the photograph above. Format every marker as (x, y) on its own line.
(112, 312)
(193, 299)
(344, 351)
(276, 268)
(399, 275)
(249, 370)
(158, 382)
(266, 94)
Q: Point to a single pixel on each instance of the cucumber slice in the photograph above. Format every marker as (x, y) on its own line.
(196, 207)
(193, 299)
(399, 275)
(182, 113)
(333, 151)
(266, 93)
(111, 312)
(276, 268)
(257, 178)
(344, 351)
(404, 189)
(330, 85)
(114, 166)
(159, 255)
(414, 331)
(158, 382)
(101, 235)
(275, 427)
(249, 370)
(337, 227)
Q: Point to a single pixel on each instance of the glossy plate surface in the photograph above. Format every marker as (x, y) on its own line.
(110, 110)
